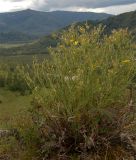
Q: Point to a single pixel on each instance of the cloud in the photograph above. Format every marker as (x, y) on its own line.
(118, 9)
(52, 4)
(109, 6)
(12, 5)
(48, 4)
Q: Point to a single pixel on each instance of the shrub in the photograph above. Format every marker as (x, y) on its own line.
(82, 96)
(11, 78)
(15, 81)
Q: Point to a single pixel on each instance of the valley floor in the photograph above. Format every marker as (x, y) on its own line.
(11, 105)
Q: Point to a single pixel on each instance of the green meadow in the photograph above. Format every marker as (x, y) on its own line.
(12, 104)
(21, 59)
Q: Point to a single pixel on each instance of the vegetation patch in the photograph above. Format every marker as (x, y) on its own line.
(83, 99)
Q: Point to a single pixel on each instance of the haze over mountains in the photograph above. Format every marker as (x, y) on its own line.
(30, 24)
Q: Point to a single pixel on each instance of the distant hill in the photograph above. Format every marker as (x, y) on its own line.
(126, 20)
(40, 23)
(39, 46)
(15, 37)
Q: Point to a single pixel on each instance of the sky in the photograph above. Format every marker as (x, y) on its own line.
(107, 6)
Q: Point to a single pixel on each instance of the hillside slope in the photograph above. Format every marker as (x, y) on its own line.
(126, 20)
(39, 46)
(15, 37)
(39, 23)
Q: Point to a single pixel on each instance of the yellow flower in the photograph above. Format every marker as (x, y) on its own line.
(76, 43)
(82, 29)
(126, 61)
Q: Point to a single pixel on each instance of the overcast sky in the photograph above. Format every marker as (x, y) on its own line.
(108, 6)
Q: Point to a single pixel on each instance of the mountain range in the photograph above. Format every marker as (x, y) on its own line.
(126, 20)
(30, 24)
